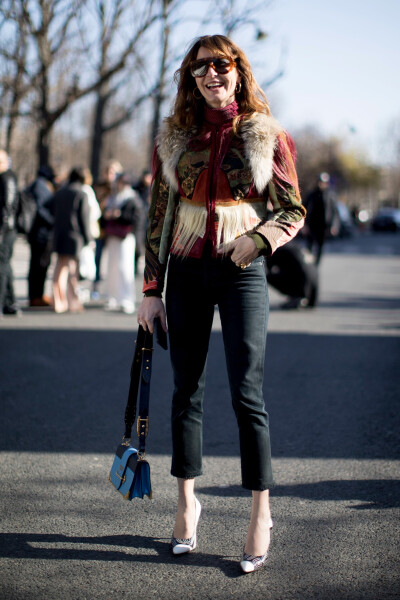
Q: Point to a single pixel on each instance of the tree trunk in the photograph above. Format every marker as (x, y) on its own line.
(10, 131)
(43, 146)
(45, 124)
(98, 134)
(159, 97)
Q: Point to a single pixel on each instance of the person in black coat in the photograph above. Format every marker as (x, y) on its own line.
(71, 233)
(9, 204)
(40, 235)
(320, 218)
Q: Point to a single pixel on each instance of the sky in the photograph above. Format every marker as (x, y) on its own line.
(342, 68)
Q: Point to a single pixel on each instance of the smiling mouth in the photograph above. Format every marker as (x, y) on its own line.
(212, 86)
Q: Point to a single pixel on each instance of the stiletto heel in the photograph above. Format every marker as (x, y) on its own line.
(250, 563)
(181, 546)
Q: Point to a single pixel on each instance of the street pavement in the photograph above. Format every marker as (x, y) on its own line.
(332, 392)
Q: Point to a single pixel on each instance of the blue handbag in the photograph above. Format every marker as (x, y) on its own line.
(130, 472)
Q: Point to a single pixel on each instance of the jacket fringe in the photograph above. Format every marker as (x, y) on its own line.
(233, 221)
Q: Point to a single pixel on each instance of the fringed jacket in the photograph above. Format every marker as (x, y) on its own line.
(215, 185)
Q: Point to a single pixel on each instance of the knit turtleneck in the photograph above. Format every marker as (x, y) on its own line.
(217, 116)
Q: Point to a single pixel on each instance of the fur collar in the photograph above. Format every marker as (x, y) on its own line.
(259, 134)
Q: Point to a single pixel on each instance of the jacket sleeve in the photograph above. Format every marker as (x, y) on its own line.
(84, 218)
(131, 212)
(284, 195)
(154, 271)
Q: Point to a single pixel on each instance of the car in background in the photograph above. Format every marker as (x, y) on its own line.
(386, 219)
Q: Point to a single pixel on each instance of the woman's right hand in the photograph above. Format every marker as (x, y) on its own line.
(150, 308)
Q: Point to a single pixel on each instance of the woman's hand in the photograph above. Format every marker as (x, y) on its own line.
(150, 308)
(243, 251)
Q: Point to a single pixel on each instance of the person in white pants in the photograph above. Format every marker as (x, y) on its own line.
(121, 273)
(120, 216)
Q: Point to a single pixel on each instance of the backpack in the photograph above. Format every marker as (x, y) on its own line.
(27, 211)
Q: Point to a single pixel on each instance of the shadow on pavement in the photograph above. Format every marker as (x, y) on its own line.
(119, 548)
(328, 396)
(371, 493)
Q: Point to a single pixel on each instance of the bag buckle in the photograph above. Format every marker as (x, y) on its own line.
(142, 426)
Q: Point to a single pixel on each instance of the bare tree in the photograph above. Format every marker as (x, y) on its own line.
(52, 34)
(172, 21)
(118, 52)
(44, 28)
(13, 49)
(235, 15)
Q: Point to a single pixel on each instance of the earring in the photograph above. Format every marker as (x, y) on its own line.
(238, 87)
(196, 89)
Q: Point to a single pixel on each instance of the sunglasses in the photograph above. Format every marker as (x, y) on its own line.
(199, 68)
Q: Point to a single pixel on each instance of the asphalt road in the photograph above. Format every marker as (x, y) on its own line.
(332, 391)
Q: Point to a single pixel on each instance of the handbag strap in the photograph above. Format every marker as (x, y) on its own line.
(140, 376)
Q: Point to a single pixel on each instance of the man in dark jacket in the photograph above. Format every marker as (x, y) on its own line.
(321, 214)
(9, 205)
(40, 236)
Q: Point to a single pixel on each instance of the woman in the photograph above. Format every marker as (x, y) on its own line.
(220, 158)
(121, 213)
(71, 233)
(104, 190)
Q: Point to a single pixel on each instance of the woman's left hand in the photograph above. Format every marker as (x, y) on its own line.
(243, 251)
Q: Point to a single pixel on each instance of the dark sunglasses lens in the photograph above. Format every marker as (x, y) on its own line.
(199, 68)
(222, 65)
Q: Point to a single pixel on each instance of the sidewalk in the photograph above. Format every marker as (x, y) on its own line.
(331, 389)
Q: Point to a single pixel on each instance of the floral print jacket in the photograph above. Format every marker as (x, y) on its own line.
(216, 185)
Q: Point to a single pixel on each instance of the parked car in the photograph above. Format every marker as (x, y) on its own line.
(386, 219)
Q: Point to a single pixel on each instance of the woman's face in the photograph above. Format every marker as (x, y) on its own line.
(217, 90)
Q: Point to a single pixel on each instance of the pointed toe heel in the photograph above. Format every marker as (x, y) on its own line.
(250, 563)
(182, 546)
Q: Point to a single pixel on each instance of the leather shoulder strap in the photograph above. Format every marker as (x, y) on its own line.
(140, 376)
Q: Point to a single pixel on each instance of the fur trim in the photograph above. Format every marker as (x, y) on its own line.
(171, 143)
(260, 134)
(260, 138)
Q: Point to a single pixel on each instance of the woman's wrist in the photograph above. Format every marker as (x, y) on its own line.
(152, 293)
(262, 244)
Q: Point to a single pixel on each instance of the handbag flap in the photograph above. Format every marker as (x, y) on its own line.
(123, 467)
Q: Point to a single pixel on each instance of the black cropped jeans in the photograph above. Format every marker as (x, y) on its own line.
(194, 287)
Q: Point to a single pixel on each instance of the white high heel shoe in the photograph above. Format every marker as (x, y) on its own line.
(250, 563)
(181, 546)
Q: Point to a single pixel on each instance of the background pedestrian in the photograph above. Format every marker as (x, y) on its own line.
(104, 190)
(40, 237)
(143, 189)
(71, 233)
(321, 215)
(120, 216)
(9, 206)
